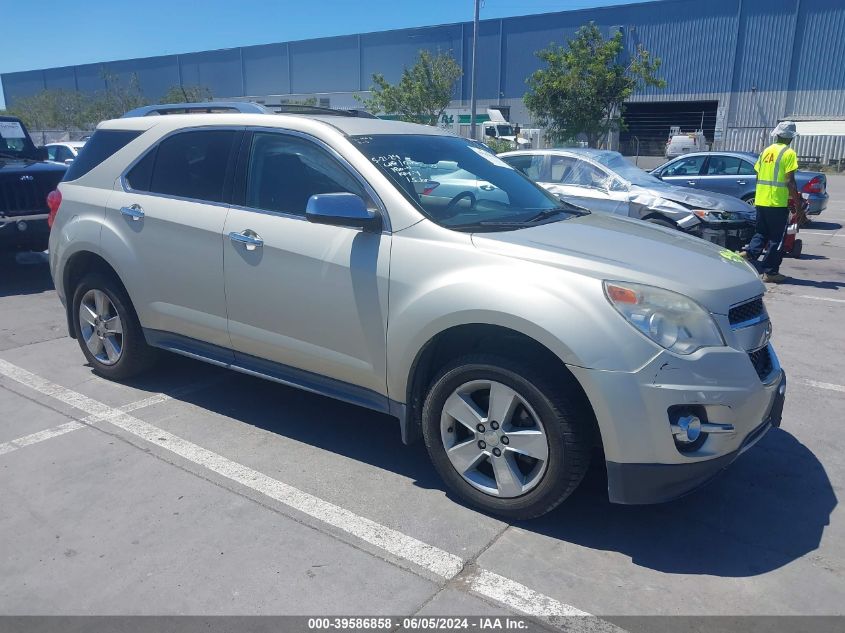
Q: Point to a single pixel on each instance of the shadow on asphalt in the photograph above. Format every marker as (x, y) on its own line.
(816, 225)
(24, 274)
(812, 283)
(766, 510)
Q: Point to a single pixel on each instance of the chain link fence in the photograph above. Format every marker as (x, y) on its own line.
(42, 137)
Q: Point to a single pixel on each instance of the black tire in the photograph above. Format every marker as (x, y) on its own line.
(749, 200)
(136, 356)
(663, 222)
(566, 418)
(797, 248)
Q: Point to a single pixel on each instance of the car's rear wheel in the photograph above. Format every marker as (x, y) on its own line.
(108, 330)
(504, 437)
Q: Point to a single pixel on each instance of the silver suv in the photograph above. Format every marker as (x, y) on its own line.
(400, 268)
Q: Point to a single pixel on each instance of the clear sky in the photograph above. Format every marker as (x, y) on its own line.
(64, 33)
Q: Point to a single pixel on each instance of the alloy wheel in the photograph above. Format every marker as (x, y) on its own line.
(494, 439)
(101, 327)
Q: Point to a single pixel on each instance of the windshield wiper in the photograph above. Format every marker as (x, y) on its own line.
(550, 213)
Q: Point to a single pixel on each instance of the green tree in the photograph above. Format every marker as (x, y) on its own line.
(116, 99)
(584, 85)
(52, 110)
(423, 92)
(187, 94)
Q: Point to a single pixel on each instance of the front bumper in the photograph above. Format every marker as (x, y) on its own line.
(24, 233)
(656, 483)
(632, 409)
(731, 235)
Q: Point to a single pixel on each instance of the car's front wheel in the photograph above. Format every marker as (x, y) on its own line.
(108, 330)
(504, 437)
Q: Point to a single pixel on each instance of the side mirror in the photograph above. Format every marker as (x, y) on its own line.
(342, 209)
(41, 153)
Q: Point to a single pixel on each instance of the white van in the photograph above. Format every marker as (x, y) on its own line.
(685, 143)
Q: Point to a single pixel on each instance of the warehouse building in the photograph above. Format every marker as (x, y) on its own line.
(732, 67)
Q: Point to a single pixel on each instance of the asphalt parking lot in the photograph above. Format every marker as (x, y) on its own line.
(202, 491)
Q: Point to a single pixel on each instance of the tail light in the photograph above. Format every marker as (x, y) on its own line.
(54, 200)
(815, 185)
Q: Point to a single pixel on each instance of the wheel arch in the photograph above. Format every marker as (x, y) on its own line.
(78, 265)
(467, 338)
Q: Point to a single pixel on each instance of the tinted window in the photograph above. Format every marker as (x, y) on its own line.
(102, 144)
(141, 174)
(51, 152)
(686, 167)
(193, 164)
(284, 171)
(746, 168)
(723, 166)
(530, 165)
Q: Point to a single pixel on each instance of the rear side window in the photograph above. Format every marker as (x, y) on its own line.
(101, 145)
(189, 165)
(141, 174)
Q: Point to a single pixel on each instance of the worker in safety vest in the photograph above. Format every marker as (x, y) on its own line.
(775, 168)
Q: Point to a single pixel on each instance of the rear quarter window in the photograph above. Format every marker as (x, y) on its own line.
(101, 146)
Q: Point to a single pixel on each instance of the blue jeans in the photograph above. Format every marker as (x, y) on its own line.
(771, 228)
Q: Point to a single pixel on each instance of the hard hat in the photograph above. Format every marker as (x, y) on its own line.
(785, 129)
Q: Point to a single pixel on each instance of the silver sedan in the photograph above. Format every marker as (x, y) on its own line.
(604, 181)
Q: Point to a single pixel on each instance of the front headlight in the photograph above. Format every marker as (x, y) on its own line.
(671, 320)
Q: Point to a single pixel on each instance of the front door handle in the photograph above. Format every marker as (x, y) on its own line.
(248, 238)
(740, 182)
(135, 212)
(691, 182)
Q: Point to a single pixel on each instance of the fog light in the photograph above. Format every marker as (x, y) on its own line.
(687, 430)
(22, 226)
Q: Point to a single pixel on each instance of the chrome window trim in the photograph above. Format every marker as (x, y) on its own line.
(185, 130)
(345, 164)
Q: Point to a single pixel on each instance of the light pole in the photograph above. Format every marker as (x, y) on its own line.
(472, 104)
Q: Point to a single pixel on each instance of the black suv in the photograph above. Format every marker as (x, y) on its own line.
(26, 177)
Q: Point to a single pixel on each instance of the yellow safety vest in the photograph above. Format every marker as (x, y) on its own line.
(772, 166)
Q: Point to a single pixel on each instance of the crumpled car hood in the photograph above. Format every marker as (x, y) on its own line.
(691, 198)
(611, 247)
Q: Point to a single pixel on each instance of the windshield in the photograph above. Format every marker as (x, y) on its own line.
(633, 174)
(14, 141)
(504, 130)
(459, 183)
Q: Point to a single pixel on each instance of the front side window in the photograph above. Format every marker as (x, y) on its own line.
(285, 171)
(746, 168)
(52, 152)
(579, 173)
(190, 165)
(723, 166)
(458, 184)
(686, 167)
(529, 164)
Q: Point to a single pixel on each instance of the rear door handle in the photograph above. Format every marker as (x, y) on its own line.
(248, 238)
(135, 212)
(740, 182)
(691, 182)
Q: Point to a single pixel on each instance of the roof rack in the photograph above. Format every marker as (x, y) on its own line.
(297, 108)
(243, 107)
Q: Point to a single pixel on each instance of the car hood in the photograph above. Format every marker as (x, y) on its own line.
(609, 247)
(692, 198)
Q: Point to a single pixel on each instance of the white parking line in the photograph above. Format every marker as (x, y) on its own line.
(822, 298)
(40, 436)
(825, 385)
(440, 562)
(67, 427)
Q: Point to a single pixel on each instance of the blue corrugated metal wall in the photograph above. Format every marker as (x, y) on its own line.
(763, 59)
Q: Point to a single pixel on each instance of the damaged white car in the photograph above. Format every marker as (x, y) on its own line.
(604, 181)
